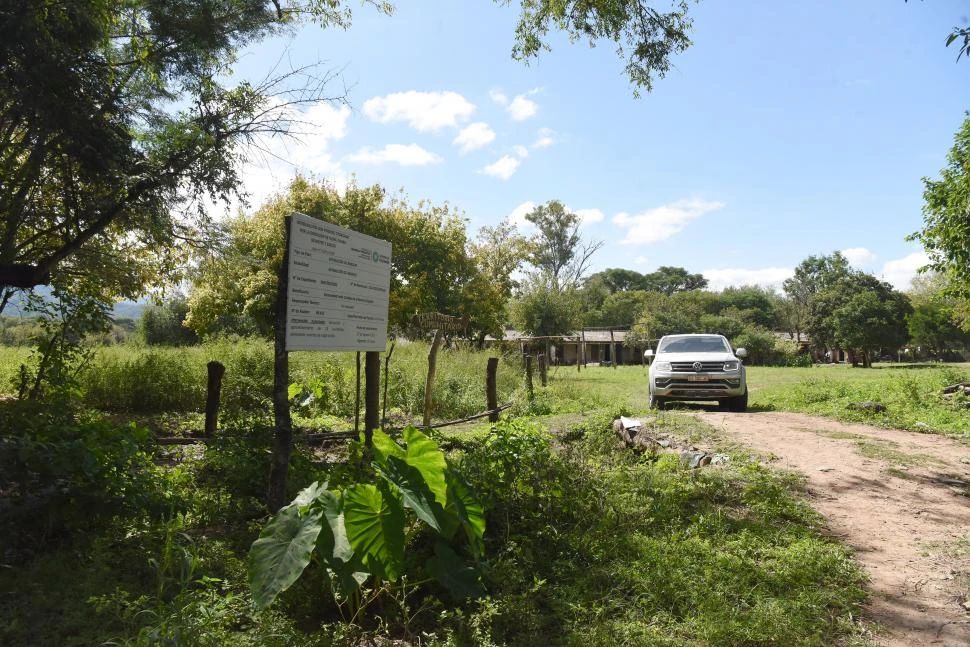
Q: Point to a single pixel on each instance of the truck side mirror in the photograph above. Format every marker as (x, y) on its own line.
(648, 355)
(741, 353)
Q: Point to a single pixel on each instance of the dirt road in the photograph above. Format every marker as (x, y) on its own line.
(899, 499)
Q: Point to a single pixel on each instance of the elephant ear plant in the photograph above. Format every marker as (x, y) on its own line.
(360, 532)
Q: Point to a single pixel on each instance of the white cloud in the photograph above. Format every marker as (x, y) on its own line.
(405, 155)
(474, 136)
(517, 217)
(858, 256)
(640, 260)
(521, 151)
(503, 168)
(901, 271)
(771, 277)
(498, 97)
(545, 139)
(662, 222)
(521, 107)
(423, 111)
(589, 216)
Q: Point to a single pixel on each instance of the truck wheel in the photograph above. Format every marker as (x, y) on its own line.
(739, 404)
(656, 402)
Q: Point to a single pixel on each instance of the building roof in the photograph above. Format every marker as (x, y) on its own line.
(591, 336)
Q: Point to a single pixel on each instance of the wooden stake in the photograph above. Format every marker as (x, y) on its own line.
(213, 389)
(528, 378)
(491, 389)
(387, 364)
(357, 399)
(372, 395)
(432, 365)
(613, 349)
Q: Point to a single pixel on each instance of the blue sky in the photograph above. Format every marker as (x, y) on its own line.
(787, 129)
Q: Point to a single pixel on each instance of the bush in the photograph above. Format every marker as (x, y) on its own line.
(62, 472)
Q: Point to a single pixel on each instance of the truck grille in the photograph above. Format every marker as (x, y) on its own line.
(688, 367)
(711, 385)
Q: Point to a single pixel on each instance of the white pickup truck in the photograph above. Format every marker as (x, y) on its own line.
(697, 367)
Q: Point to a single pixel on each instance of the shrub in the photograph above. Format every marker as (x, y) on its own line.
(62, 472)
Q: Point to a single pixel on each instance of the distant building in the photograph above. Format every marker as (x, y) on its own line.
(587, 346)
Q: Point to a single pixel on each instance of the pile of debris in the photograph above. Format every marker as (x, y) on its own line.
(959, 391)
(633, 433)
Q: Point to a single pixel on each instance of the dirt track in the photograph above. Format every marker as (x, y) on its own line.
(899, 499)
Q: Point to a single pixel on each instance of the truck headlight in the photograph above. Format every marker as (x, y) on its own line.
(663, 367)
(733, 365)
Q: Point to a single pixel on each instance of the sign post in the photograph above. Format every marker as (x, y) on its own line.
(334, 285)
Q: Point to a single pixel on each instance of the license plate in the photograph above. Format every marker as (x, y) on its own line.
(697, 378)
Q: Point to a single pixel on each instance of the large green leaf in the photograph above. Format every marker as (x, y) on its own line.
(335, 551)
(278, 557)
(424, 455)
(418, 496)
(308, 495)
(374, 520)
(460, 579)
(385, 446)
(463, 503)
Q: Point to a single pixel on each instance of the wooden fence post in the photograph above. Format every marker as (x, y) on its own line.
(432, 365)
(543, 371)
(491, 388)
(283, 423)
(213, 388)
(387, 369)
(372, 395)
(357, 399)
(613, 349)
(528, 378)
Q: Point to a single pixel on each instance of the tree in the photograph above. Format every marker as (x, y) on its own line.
(668, 280)
(859, 312)
(935, 320)
(544, 310)
(946, 225)
(812, 275)
(432, 268)
(499, 252)
(646, 37)
(619, 280)
(114, 119)
(749, 303)
(164, 324)
(557, 250)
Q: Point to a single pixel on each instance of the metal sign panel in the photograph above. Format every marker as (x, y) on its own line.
(337, 288)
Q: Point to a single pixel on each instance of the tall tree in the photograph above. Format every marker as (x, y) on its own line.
(115, 116)
(618, 279)
(946, 216)
(668, 280)
(858, 312)
(812, 275)
(558, 252)
(432, 268)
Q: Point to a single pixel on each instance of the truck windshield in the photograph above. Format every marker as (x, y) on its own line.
(694, 345)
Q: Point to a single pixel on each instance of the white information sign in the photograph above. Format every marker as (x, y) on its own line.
(337, 288)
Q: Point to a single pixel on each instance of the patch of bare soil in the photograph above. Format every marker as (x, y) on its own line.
(899, 499)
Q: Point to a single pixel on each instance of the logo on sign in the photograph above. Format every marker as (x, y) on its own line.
(375, 257)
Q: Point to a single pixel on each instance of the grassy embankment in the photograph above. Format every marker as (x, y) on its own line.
(586, 544)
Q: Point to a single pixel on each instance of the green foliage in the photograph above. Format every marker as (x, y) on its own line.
(542, 310)
(433, 268)
(123, 106)
(164, 324)
(946, 231)
(760, 344)
(63, 472)
(365, 526)
(557, 251)
(644, 36)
